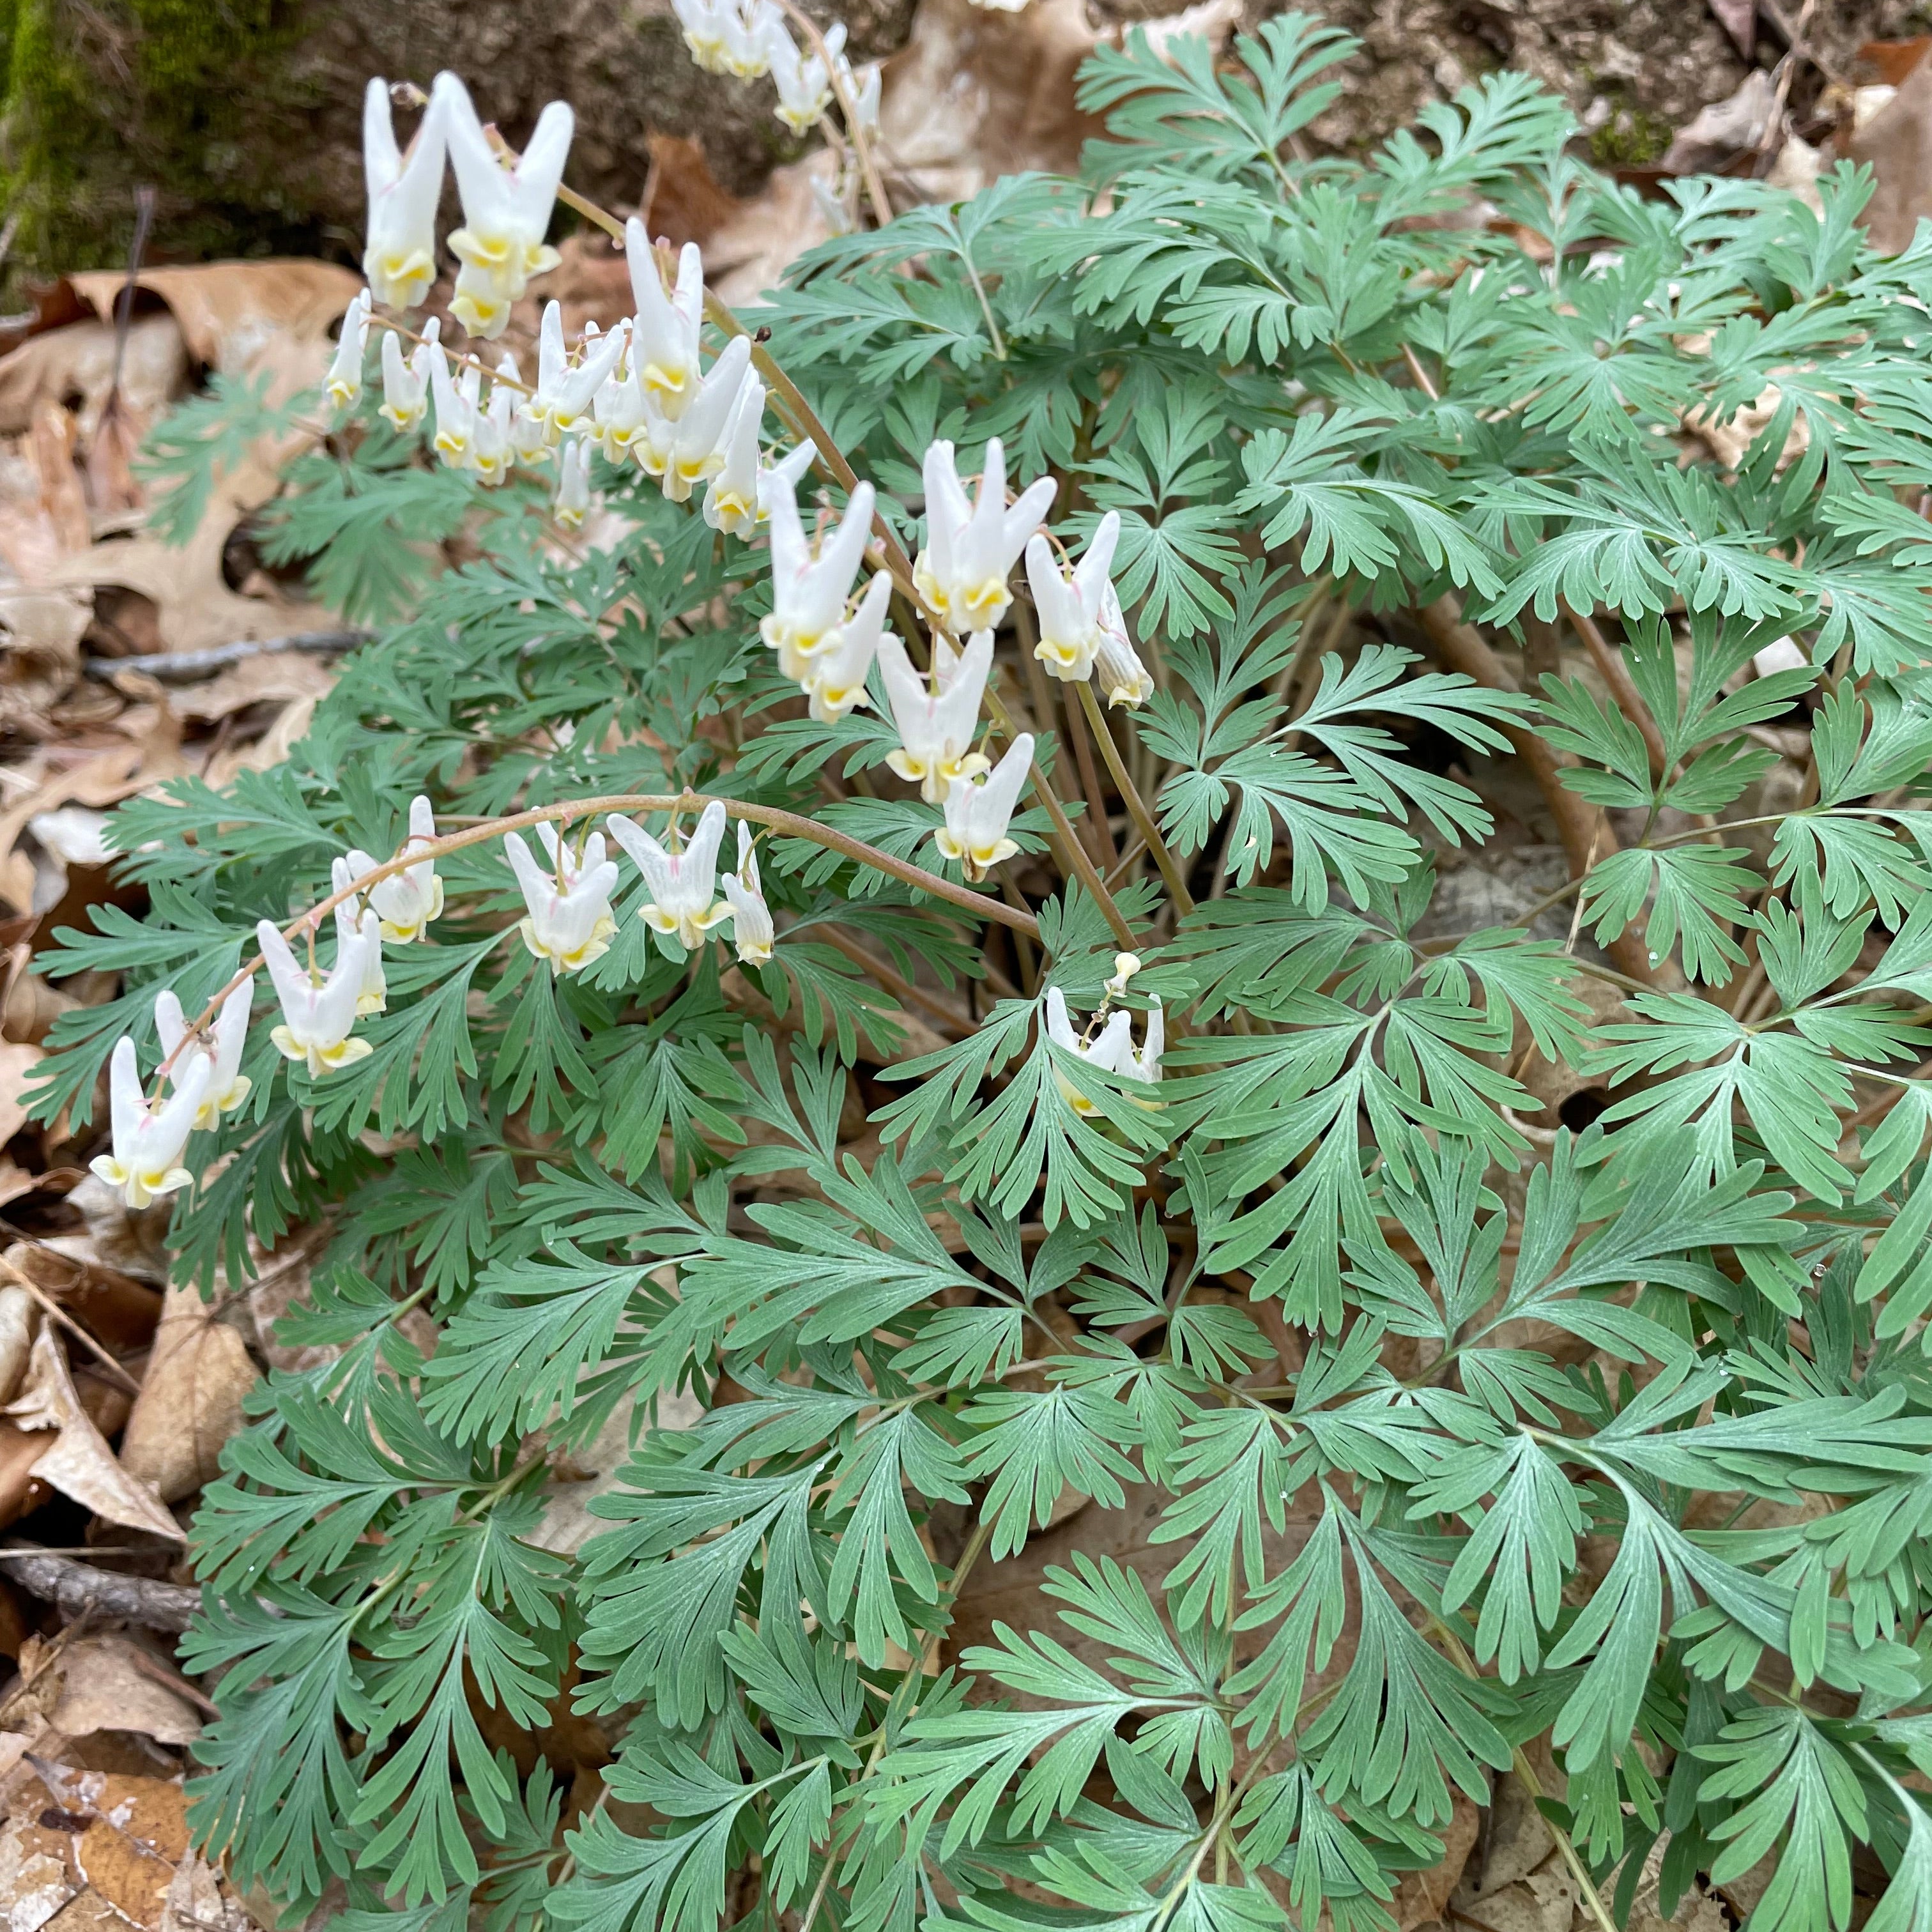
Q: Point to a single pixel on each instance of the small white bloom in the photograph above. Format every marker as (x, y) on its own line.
(783, 475)
(748, 28)
(810, 589)
(400, 259)
(624, 415)
(491, 452)
(1111, 1052)
(804, 82)
(1122, 677)
(683, 885)
(569, 921)
(506, 210)
(752, 932)
(862, 89)
(405, 902)
(706, 24)
(938, 718)
(1001, 6)
(457, 414)
(148, 1142)
(564, 391)
(1070, 608)
(835, 679)
(978, 813)
(373, 995)
(227, 1085)
(731, 502)
(665, 334)
(970, 546)
(1126, 965)
(318, 1008)
(344, 383)
(406, 384)
(1781, 654)
(693, 451)
(573, 484)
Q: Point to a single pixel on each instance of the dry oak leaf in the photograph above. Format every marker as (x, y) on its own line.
(78, 361)
(80, 1464)
(105, 779)
(1897, 143)
(198, 1374)
(17, 1062)
(103, 1687)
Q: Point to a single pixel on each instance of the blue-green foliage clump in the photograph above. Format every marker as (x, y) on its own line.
(1455, 1433)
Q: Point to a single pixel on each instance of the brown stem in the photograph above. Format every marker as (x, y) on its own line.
(1137, 811)
(1101, 844)
(1584, 830)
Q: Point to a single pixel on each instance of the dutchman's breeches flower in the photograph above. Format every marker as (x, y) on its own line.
(683, 885)
(804, 82)
(373, 995)
(573, 484)
(561, 404)
(937, 719)
(1071, 608)
(405, 383)
(227, 1086)
(399, 262)
(666, 330)
(731, 502)
(1111, 1051)
(977, 813)
(752, 934)
(344, 381)
(693, 451)
(971, 546)
(406, 902)
(809, 588)
(569, 921)
(149, 1141)
(1118, 669)
(835, 679)
(318, 1009)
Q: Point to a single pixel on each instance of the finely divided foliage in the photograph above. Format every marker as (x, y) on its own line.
(1464, 1446)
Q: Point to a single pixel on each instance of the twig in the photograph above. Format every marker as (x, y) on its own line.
(167, 665)
(1137, 811)
(54, 1312)
(75, 1588)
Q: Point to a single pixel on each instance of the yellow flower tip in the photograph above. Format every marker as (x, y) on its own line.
(106, 1167)
(285, 1044)
(491, 252)
(367, 1003)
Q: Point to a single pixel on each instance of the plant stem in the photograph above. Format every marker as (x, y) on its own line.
(1143, 819)
(868, 166)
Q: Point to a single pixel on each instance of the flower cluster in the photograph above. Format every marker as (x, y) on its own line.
(748, 39)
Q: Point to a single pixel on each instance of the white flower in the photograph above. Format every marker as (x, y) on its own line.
(706, 24)
(319, 1009)
(373, 995)
(748, 28)
(804, 83)
(692, 450)
(406, 384)
(569, 921)
(1001, 6)
(624, 415)
(809, 589)
(400, 259)
(1071, 608)
(490, 451)
(564, 392)
(506, 210)
(861, 89)
(345, 373)
(665, 335)
(970, 547)
(457, 414)
(752, 930)
(1126, 965)
(1123, 678)
(835, 679)
(783, 475)
(937, 719)
(1112, 1051)
(573, 484)
(148, 1142)
(731, 503)
(683, 885)
(227, 1085)
(405, 902)
(977, 814)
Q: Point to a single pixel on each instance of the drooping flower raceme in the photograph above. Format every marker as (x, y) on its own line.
(804, 82)
(569, 921)
(506, 210)
(1118, 669)
(938, 718)
(970, 546)
(809, 589)
(978, 811)
(149, 1141)
(665, 334)
(405, 902)
(1070, 608)
(683, 885)
(227, 1085)
(752, 933)
(344, 382)
(373, 996)
(835, 678)
(399, 261)
(728, 36)
(318, 1009)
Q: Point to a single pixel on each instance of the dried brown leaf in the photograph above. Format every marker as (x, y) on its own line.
(18, 1060)
(1897, 144)
(198, 1374)
(80, 1464)
(103, 1687)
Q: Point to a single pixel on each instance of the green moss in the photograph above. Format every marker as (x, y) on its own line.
(1631, 138)
(188, 95)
